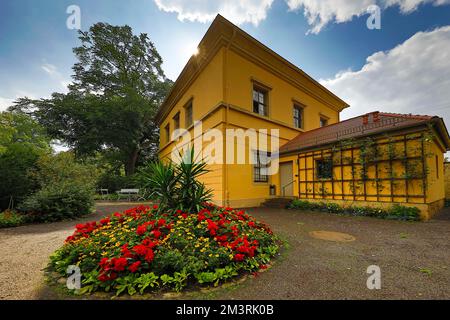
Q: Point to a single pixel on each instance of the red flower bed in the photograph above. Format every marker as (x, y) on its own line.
(145, 245)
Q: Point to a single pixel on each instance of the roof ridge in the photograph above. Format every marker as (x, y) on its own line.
(406, 115)
(336, 123)
(354, 127)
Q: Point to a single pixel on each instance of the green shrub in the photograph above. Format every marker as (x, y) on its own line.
(334, 208)
(66, 189)
(300, 205)
(58, 201)
(9, 218)
(366, 211)
(396, 212)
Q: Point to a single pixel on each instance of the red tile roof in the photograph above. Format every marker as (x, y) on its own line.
(367, 124)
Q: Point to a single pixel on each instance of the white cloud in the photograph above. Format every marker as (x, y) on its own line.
(413, 78)
(65, 84)
(407, 6)
(53, 72)
(5, 103)
(319, 13)
(50, 69)
(237, 11)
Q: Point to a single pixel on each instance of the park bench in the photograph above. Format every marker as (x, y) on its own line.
(129, 192)
(103, 192)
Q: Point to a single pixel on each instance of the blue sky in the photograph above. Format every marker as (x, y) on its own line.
(403, 67)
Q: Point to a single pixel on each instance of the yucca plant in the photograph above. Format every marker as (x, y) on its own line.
(192, 193)
(160, 182)
(176, 185)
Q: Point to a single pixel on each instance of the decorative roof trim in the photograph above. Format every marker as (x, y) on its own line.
(222, 33)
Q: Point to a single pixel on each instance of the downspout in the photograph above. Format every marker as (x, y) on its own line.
(226, 193)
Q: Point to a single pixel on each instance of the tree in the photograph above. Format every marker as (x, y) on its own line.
(22, 142)
(110, 107)
(61, 168)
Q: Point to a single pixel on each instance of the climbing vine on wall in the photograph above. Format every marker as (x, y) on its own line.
(395, 166)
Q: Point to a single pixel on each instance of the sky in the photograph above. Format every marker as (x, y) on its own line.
(404, 66)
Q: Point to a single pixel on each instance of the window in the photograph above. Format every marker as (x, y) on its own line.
(189, 115)
(298, 116)
(323, 121)
(260, 101)
(176, 121)
(261, 163)
(167, 132)
(324, 168)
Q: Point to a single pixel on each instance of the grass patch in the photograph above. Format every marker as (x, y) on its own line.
(426, 271)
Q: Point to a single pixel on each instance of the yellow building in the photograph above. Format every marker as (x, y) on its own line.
(447, 180)
(372, 160)
(235, 82)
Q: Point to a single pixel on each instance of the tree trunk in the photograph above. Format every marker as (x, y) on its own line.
(130, 164)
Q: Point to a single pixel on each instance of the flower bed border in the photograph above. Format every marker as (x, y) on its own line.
(227, 228)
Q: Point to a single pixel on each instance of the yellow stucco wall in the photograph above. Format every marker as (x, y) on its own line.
(214, 178)
(435, 164)
(205, 97)
(447, 180)
(411, 181)
(222, 99)
(241, 74)
(241, 189)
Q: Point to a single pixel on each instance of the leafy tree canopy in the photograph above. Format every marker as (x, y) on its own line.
(18, 130)
(22, 142)
(118, 85)
(62, 168)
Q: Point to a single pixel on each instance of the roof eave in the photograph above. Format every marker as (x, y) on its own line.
(443, 132)
(217, 24)
(410, 126)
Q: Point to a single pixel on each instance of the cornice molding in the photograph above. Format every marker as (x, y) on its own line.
(223, 33)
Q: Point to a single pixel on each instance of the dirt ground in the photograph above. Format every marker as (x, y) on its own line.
(414, 258)
(24, 252)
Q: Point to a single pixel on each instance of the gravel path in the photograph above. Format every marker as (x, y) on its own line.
(414, 258)
(24, 253)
